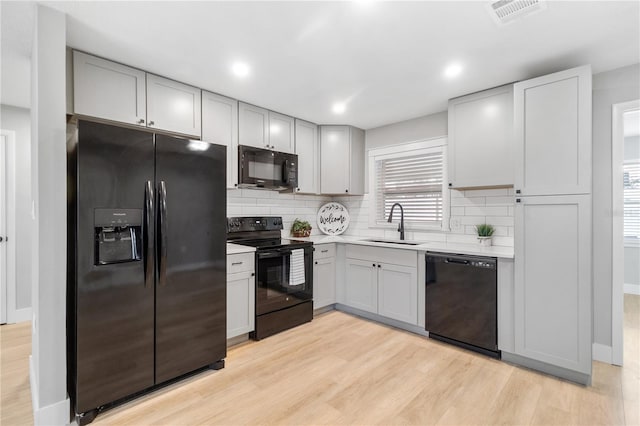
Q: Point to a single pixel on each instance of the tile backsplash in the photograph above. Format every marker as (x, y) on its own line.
(468, 208)
(255, 202)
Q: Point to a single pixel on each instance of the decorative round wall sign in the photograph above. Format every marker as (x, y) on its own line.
(333, 219)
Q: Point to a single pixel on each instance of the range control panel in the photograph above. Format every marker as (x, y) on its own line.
(243, 224)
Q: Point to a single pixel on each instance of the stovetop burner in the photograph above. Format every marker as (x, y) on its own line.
(259, 232)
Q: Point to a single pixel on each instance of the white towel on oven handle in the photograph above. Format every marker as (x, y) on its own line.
(296, 267)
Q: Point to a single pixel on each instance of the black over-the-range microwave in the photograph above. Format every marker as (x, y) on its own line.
(266, 169)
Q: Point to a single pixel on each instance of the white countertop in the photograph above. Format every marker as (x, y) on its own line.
(471, 249)
(237, 249)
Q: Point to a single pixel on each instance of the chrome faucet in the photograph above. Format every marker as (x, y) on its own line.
(401, 225)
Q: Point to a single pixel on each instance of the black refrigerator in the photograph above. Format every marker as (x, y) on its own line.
(146, 262)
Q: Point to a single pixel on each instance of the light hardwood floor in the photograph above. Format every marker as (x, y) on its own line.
(341, 369)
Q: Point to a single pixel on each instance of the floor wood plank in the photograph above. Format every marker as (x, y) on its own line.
(340, 369)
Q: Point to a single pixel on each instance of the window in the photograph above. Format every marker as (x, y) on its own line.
(413, 175)
(631, 172)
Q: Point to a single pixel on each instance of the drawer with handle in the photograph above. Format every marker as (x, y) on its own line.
(240, 262)
(322, 251)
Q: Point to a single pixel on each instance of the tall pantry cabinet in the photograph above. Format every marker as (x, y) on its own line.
(552, 291)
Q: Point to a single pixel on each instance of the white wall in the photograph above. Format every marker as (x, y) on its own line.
(48, 154)
(611, 87)
(425, 127)
(19, 120)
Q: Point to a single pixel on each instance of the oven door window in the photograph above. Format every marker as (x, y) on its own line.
(274, 289)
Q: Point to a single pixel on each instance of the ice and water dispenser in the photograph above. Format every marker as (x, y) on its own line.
(118, 235)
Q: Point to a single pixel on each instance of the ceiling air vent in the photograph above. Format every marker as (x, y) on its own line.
(503, 11)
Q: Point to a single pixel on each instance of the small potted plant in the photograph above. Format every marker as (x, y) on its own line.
(300, 228)
(485, 231)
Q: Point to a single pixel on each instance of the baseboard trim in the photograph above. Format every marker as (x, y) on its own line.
(21, 315)
(54, 414)
(573, 376)
(384, 320)
(33, 381)
(602, 353)
(632, 289)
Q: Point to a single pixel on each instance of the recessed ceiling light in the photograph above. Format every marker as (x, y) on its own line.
(338, 108)
(453, 70)
(240, 69)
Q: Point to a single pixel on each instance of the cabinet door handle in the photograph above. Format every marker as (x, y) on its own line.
(236, 263)
(346, 190)
(253, 274)
(151, 123)
(316, 263)
(378, 266)
(324, 251)
(374, 265)
(517, 200)
(141, 121)
(518, 191)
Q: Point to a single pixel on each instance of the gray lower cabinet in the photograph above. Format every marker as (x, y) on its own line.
(361, 285)
(506, 338)
(240, 294)
(398, 292)
(552, 290)
(373, 284)
(324, 275)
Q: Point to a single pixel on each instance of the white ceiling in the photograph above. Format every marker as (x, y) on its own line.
(384, 59)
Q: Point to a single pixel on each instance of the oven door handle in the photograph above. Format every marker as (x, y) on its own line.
(274, 253)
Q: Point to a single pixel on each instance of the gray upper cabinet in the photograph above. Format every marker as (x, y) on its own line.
(173, 106)
(220, 125)
(341, 160)
(112, 91)
(253, 125)
(108, 90)
(307, 151)
(481, 139)
(281, 132)
(553, 133)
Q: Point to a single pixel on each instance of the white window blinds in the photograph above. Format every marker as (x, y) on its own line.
(414, 180)
(632, 199)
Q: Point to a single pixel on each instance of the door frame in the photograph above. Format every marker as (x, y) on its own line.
(617, 248)
(10, 290)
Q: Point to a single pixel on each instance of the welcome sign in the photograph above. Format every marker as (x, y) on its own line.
(333, 219)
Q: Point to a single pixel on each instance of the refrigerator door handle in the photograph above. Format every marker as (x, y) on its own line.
(148, 236)
(162, 228)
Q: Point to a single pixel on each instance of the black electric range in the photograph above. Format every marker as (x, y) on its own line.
(284, 274)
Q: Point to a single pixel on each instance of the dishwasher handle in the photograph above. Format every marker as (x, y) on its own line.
(463, 260)
(458, 261)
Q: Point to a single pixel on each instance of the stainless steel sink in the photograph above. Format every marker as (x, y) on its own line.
(404, 243)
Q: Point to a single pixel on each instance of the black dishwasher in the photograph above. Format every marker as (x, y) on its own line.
(462, 301)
